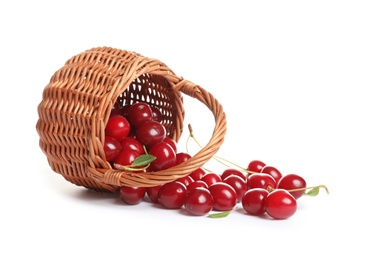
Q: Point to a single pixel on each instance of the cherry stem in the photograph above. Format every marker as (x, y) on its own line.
(221, 160)
(129, 167)
(312, 187)
(217, 158)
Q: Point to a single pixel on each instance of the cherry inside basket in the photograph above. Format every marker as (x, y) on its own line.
(76, 106)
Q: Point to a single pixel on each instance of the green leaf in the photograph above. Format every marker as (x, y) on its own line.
(220, 214)
(313, 192)
(143, 160)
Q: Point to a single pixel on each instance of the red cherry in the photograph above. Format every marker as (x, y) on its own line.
(182, 157)
(256, 166)
(261, 180)
(112, 148)
(171, 142)
(224, 196)
(291, 182)
(124, 111)
(139, 113)
(150, 133)
(156, 114)
(199, 202)
(275, 173)
(230, 171)
(152, 193)
(126, 157)
(239, 185)
(197, 184)
(116, 109)
(131, 143)
(172, 195)
(197, 174)
(118, 127)
(186, 180)
(253, 201)
(132, 195)
(280, 204)
(165, 156)
(211, 178)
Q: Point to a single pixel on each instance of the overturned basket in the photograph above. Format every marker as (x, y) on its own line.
(76, 105)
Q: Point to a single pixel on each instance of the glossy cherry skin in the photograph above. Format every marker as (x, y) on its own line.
(293, 181)
(253, 201)
(150, 133)
(182, 157)
(256, 166)
(152, 193)
(197, 184)
(118, 127)
(112, 148)
(139, 113)
(186, 180)
(116, 109)
(130, 143)
(172, 195)
(199, 202)
(165, 156)
(239, 185)
(126, 157)
(261, 180)
(156, 114)
(224, 196)
(198, 174)
(230, 171)
(211, 178)
(132, 195)
(171, 142)
(275, 173)
(280, 204)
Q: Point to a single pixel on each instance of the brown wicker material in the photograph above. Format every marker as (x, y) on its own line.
(76, 105)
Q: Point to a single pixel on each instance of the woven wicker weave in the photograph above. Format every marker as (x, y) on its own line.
(76, 105)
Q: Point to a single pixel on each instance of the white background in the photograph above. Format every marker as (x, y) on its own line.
(291, 77)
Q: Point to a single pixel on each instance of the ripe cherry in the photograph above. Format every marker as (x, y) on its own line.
(291, 182)
(275, 173)
(182, 157)
(132, 195)
(131, 143)
(172, 195)
(211, 178)
(256, 166)
(116, 109)
(150, 133)
(198, 174)
(152, 193)
(139, 113)
(118, 127)
(224, 196)
(126, 157)
(199, 202)
(239, 185)
(112, 148)
(156, 113)
(261, 180)
(253, 201)
(197, 184)
(171, 142)
(280, 204)
(186, 180)
(231, 171)
(165, 156)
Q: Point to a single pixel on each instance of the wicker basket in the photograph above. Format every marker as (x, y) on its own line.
(76, 105)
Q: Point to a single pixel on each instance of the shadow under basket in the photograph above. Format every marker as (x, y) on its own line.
(76, 106)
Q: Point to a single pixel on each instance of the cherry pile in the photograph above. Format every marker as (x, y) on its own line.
(136, 140)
